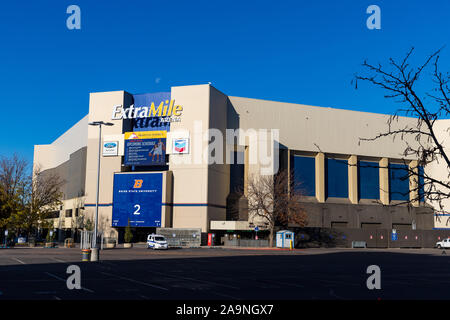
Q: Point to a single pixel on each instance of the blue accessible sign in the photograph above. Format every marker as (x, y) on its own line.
(394, 236)
(137, 197)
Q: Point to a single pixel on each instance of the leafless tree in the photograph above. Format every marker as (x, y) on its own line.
(275, 200)
(43, 197)
(422, 138)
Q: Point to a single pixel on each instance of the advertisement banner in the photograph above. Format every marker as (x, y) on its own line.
(110, 148)
(145, 135)
(145, 148)
(137, 198)
(180, 146)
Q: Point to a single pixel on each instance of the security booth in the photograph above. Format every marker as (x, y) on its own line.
(285, 239)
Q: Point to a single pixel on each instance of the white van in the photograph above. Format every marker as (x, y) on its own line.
(444, 244)
(156, 241)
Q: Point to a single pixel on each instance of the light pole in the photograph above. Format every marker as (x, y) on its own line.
(94, 253)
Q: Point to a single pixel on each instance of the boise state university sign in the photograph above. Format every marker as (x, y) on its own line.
(137, 198)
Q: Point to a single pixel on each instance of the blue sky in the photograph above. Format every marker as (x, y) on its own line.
(294, 51)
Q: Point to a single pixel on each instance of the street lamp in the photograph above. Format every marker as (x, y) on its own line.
(94, 253)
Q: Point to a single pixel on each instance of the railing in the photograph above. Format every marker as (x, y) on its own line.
(181, 237)
(88, 242)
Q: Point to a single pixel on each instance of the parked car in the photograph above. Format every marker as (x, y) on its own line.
(443, 244)
(156, 241)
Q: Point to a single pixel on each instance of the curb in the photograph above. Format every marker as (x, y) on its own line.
(253, 248)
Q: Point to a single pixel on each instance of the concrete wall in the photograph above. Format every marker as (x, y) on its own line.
(218, 174)
(49, 156)
(190, 173)
(336, 132)
(439, 169)
(100, 108)
(323, 215)
(73, 173)
(200, 190)
(329, 130)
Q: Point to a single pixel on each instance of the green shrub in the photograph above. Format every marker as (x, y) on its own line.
(50, 238)
(128, 234)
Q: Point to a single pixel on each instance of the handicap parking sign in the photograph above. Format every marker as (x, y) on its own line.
(394, 235)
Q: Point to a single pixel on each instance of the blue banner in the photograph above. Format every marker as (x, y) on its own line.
(137, 198)
(150, 123)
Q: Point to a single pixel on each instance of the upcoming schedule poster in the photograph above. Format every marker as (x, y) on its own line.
(145, 148)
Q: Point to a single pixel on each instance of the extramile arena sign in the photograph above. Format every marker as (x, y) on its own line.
(167, 111)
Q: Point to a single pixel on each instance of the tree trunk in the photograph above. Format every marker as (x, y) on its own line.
(271, 237)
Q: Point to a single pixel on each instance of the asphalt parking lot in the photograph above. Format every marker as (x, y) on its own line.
(231, 274)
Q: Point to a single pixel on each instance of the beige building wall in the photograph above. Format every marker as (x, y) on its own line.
(190, 172)
(73, 222)
(439, 169)
(218, 174)
(100, 109)
(319, 129)
(48, 156)
(200, 189)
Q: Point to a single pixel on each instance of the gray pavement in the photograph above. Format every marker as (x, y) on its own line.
(225, 273)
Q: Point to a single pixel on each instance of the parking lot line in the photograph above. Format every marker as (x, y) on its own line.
(18, 260)
(135, 281)
(64, 280)
(198, 280)
(54, 276)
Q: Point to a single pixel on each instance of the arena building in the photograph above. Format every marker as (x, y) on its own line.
(175, 160)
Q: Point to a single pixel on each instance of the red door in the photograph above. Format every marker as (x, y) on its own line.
(209, 239)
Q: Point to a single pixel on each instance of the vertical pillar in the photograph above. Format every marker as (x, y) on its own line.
(414, 184)
(246, 161)
(384, 181)
(353, 179)
(289, 170)
(320, 177)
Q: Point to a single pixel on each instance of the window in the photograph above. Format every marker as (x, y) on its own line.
(237, 172)
(69, 213)
(53, 214)
(368, 180)
(421, 184)
(304, 174)
(335, 225)
(336, 178)
(398, 182)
